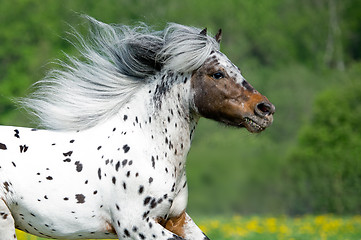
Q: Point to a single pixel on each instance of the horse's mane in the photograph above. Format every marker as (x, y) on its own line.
(115, 60)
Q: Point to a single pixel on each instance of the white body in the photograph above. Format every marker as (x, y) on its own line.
(66, 184)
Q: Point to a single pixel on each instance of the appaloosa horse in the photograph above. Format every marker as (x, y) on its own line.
(120, 120)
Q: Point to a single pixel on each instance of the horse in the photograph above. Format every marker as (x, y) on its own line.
(116, 124)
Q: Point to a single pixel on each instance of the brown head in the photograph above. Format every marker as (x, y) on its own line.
(221, 93)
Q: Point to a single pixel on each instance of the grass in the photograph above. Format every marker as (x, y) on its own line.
(322, 227)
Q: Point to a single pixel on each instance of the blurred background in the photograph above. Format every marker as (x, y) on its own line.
(305, 56)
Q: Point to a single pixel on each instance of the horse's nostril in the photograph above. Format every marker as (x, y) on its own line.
(265, 108)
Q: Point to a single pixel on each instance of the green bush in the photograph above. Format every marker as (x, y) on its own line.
(325, 168)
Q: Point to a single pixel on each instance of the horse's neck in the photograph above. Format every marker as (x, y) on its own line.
(161, 112)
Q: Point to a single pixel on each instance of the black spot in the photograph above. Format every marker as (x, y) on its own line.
(16, 133)
(146, 200)
(117, 206)
(126, 148)
(125, 161)
(68, 154)
(95, 192)
(99, 147)
(13, 164)
(153, 162)
(67, 160)
(153, 203)
(49, 178)
(23, 148)
(99, 173)
(117, 166)
(145, 214)
(114, 180)
(3, 146)
(141, 236)
(66, 199)
(150, 180)
(126, 232)
(124, 185)
(80, 198)
(141, 189)
(125, 117)
(79, 166)
(72, 141)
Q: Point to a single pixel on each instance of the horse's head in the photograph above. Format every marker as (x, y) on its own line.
(221, 93)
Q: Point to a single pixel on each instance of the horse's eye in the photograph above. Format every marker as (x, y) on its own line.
(218, 75)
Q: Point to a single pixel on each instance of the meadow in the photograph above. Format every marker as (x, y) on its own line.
(308, 227)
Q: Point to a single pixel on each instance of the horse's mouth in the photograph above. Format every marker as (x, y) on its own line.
(256, 125)
(253, 126)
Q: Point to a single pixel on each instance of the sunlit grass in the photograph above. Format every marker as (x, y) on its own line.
(322, 227)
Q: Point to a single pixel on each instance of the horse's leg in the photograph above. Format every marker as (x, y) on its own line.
(7, 227)
(185, 227)
(142, 229)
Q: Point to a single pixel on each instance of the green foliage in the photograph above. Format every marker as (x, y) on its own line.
(325, 168)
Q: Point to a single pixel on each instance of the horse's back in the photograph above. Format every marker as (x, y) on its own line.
(26, 155)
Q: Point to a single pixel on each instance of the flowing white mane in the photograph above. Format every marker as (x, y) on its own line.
(114, 61)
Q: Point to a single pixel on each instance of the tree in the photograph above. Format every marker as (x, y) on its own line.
(325, 168)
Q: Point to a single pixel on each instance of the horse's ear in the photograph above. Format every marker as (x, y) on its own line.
(218, 36)
(203, 32)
